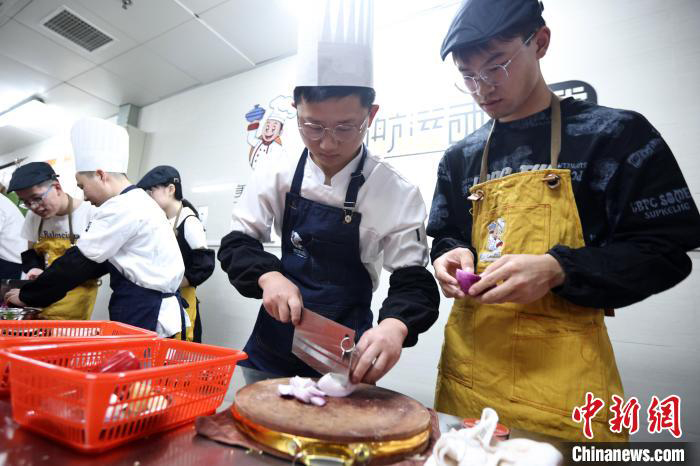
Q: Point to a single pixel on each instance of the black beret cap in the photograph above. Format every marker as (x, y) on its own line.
(30, 175)
(479, 20)
(162, 174)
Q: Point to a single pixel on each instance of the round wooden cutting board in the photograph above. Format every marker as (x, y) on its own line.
(370, 414)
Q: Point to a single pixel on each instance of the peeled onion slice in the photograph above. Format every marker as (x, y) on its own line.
(466, 279)
(304, 390)
(332, 385)
(301, 382)
(285, 390)
(301, 394)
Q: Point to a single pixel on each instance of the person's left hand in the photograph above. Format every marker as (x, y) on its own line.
(12, 297)
(379, 349)
(518, 278)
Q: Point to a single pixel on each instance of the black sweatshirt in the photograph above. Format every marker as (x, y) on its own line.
(64, 274)
(636, 210)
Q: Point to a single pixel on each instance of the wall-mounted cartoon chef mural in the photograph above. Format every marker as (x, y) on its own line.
(265, 127)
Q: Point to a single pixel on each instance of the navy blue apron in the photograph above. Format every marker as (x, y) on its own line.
(321, 256)
(135, 305)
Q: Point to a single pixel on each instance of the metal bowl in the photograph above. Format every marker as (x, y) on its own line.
(20, 313)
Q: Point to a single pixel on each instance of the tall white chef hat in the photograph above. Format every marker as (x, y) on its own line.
(98, 144)
(335, 43)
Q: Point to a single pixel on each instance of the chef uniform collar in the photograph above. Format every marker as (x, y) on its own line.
(477, 21)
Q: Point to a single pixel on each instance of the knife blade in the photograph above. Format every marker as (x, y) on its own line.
(325, 345)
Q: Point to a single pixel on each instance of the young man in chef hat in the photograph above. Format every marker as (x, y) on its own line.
(341, 212)
(129, 237)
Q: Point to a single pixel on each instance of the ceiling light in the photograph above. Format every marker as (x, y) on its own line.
(35, 116)
(22, 114)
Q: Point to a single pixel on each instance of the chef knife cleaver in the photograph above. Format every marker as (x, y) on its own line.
(324, 344)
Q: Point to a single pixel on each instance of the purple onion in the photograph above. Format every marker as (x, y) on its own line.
(466, 279)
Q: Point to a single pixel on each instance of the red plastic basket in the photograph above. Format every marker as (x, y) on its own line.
(41, 332)
(56, 391)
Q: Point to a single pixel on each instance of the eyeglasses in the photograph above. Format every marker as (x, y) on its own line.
(341, 133)
(493, 75)
(36, 201)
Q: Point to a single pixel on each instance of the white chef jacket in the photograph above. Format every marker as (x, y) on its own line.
(132, 232)
(11, 243)
(392, 230)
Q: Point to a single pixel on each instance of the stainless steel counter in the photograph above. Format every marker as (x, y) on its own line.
(181, 446)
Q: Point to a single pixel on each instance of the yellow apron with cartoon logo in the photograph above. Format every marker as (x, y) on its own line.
(532, 363)
(78, 302)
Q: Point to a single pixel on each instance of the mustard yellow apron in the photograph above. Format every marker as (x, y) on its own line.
(532, 363)
(78, 302)
(189, 294)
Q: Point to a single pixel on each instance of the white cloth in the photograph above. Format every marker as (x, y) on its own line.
(131, 232)
(57, 226)
(11, 243)
(99, 144)
(335, 43)
(392, 230)
(195, 236)
(472, 447)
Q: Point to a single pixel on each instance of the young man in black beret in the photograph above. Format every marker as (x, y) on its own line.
(565, 208)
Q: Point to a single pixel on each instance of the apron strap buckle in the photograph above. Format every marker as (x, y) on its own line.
(476, 195)
(553, 180)
(349, 209)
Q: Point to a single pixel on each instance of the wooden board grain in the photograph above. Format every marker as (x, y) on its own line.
(370, 414)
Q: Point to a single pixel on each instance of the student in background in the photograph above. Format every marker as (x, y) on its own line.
(128, 237)
(53, 225)
(164, 185)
